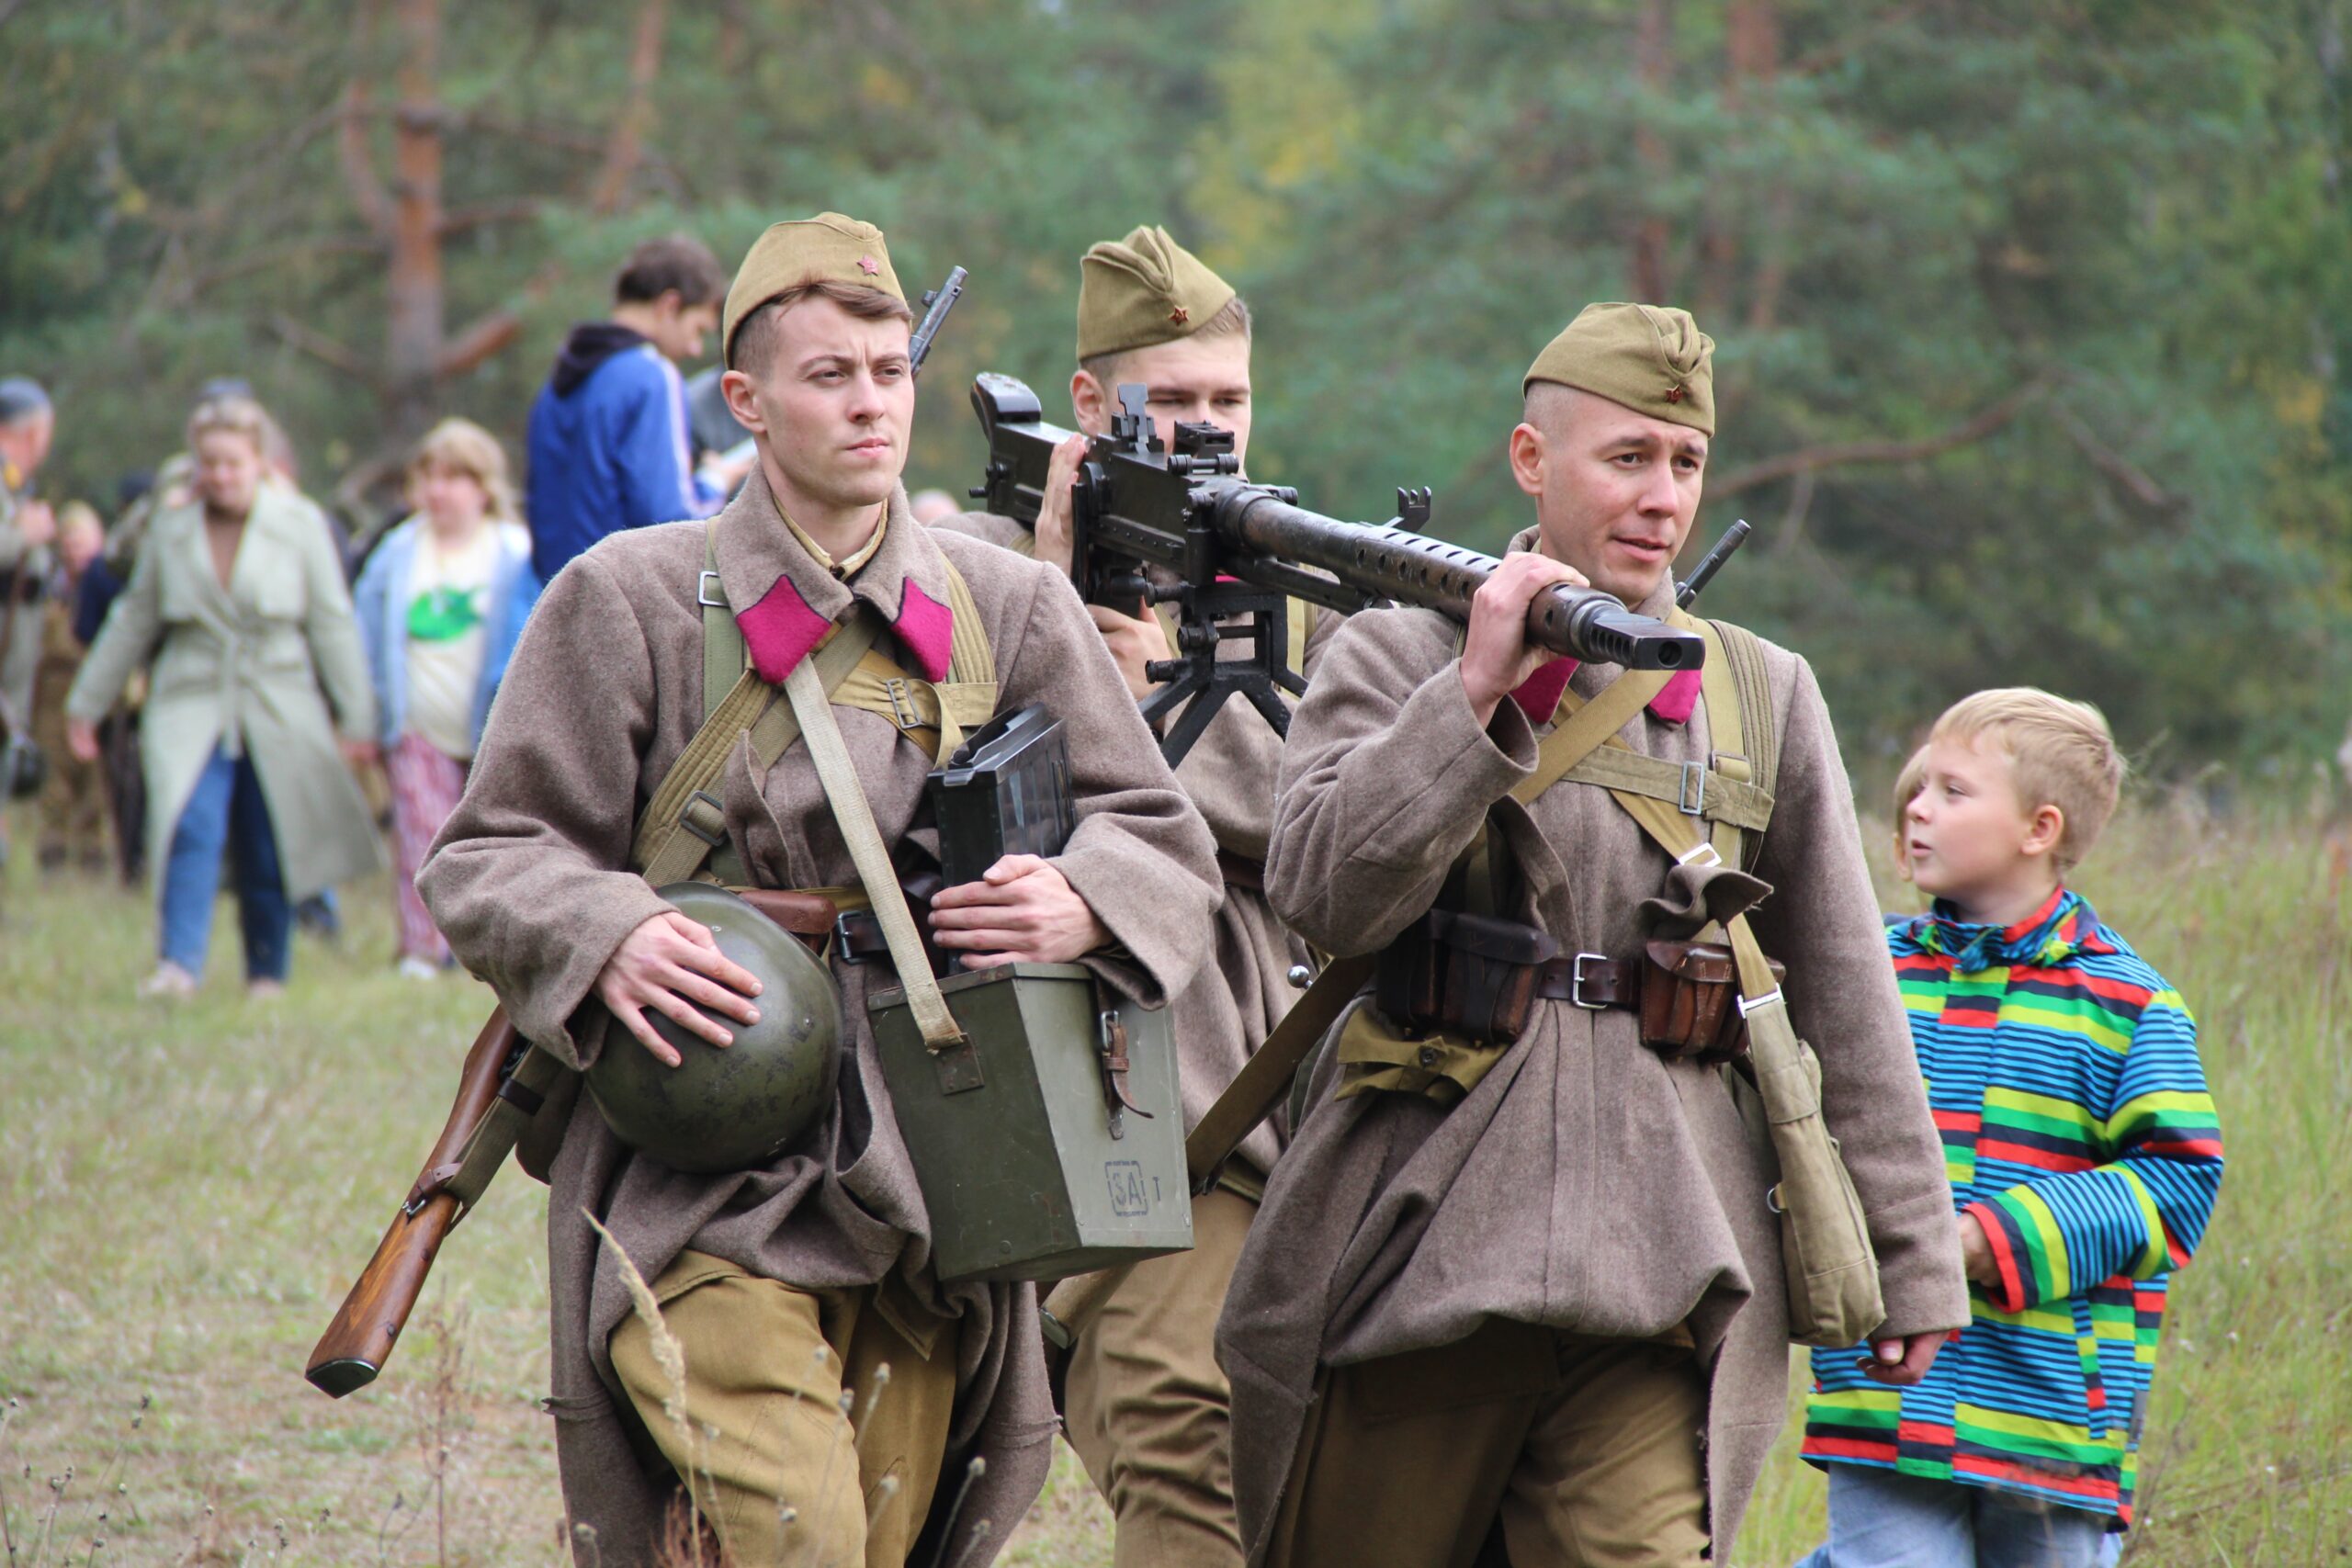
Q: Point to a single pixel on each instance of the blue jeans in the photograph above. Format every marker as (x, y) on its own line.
(1879, 1518)
(226, 812)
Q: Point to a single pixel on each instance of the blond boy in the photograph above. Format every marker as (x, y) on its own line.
(2084, 1155)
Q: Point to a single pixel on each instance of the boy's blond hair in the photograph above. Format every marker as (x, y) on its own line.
(2061, 754)
(1906, 783)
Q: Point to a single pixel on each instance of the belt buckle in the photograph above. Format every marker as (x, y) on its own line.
(1693, 794)
(703, 591)
(840, 938)
(903, 712)
(1576, 982)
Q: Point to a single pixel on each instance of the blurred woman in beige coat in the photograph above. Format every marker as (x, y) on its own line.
(239, 600)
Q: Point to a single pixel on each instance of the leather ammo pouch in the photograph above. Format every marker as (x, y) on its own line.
(1691, 1000)
(1471, 976)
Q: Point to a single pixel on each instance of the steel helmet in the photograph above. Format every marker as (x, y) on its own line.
(722, 1110)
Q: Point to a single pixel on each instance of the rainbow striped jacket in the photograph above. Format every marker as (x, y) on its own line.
(2062, 1073)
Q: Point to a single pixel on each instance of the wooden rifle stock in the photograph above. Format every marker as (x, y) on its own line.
(360, 1339)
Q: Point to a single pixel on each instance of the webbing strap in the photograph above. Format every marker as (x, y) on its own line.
(1728, 760)
(682, 825)
(855, 818)
(494, 1137)
(723, 657)
(1692, 788)
(1588, 727)
(1266, 1077)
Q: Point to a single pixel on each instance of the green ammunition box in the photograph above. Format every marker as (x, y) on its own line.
(1031, 1166)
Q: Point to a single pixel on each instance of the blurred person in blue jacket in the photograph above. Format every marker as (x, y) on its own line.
(609, 445)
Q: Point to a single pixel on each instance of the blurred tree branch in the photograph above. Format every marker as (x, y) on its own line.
(1847, 454)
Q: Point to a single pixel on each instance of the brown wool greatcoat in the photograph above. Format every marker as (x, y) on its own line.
(1243, 992)
(1584, 1183)
(527, 881)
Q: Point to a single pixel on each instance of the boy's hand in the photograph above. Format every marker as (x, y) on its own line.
(1976, 1259)
(1900, 1363)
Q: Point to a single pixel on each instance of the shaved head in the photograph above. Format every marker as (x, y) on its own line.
(1552, 408)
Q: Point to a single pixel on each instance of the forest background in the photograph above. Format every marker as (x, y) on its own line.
(2032, 314)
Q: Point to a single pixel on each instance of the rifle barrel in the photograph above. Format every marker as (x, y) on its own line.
(1382, 561)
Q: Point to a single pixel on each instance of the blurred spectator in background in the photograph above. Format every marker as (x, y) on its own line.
(608, 446)
(73, 798)
(930, 505)
(26, 424)
(240, 601)
(118, 731)
(441, 602)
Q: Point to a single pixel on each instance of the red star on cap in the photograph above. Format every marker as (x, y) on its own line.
(1675, 394)
(869, 267)
(1179, 315)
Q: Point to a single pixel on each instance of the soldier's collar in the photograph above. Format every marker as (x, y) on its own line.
(786, 603)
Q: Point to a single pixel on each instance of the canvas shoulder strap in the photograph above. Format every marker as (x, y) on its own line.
(1730, 790)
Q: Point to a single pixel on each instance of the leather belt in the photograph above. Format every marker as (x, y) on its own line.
(859, 937)
(1591, 980)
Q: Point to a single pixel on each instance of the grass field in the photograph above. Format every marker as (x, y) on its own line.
(185, 1193)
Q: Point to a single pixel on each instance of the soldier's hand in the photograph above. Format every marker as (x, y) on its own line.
(1052, 529)
(1900, 1363)
(1020, 911)
(1133, 643)
(664, 966)
(1496, 658)
(82, 739)
(36, 523)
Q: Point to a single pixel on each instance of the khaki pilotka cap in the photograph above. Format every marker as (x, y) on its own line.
(1141, 290)
(1652, 359)
(828, 248)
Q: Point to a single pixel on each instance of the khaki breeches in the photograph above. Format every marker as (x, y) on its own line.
(1587, 1449)
(780, 1471)
(1149, 1412)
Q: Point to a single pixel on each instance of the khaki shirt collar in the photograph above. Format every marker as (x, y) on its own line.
(858, 558)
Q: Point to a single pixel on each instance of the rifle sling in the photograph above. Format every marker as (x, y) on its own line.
(494, 1137)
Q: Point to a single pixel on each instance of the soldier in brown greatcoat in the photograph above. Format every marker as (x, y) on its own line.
(775, 1280)
(1534, 1290)
(1147, 1407)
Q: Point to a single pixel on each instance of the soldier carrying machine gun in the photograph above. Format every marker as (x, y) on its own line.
(1229, 549)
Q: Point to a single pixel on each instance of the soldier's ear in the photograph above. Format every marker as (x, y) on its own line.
(1527, 457)
(1088, 402)
(742, 401)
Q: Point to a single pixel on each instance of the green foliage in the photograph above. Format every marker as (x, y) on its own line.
(1894, 217)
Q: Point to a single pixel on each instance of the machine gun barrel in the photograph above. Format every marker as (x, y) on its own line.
(1384, 561)
(1174, 525)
